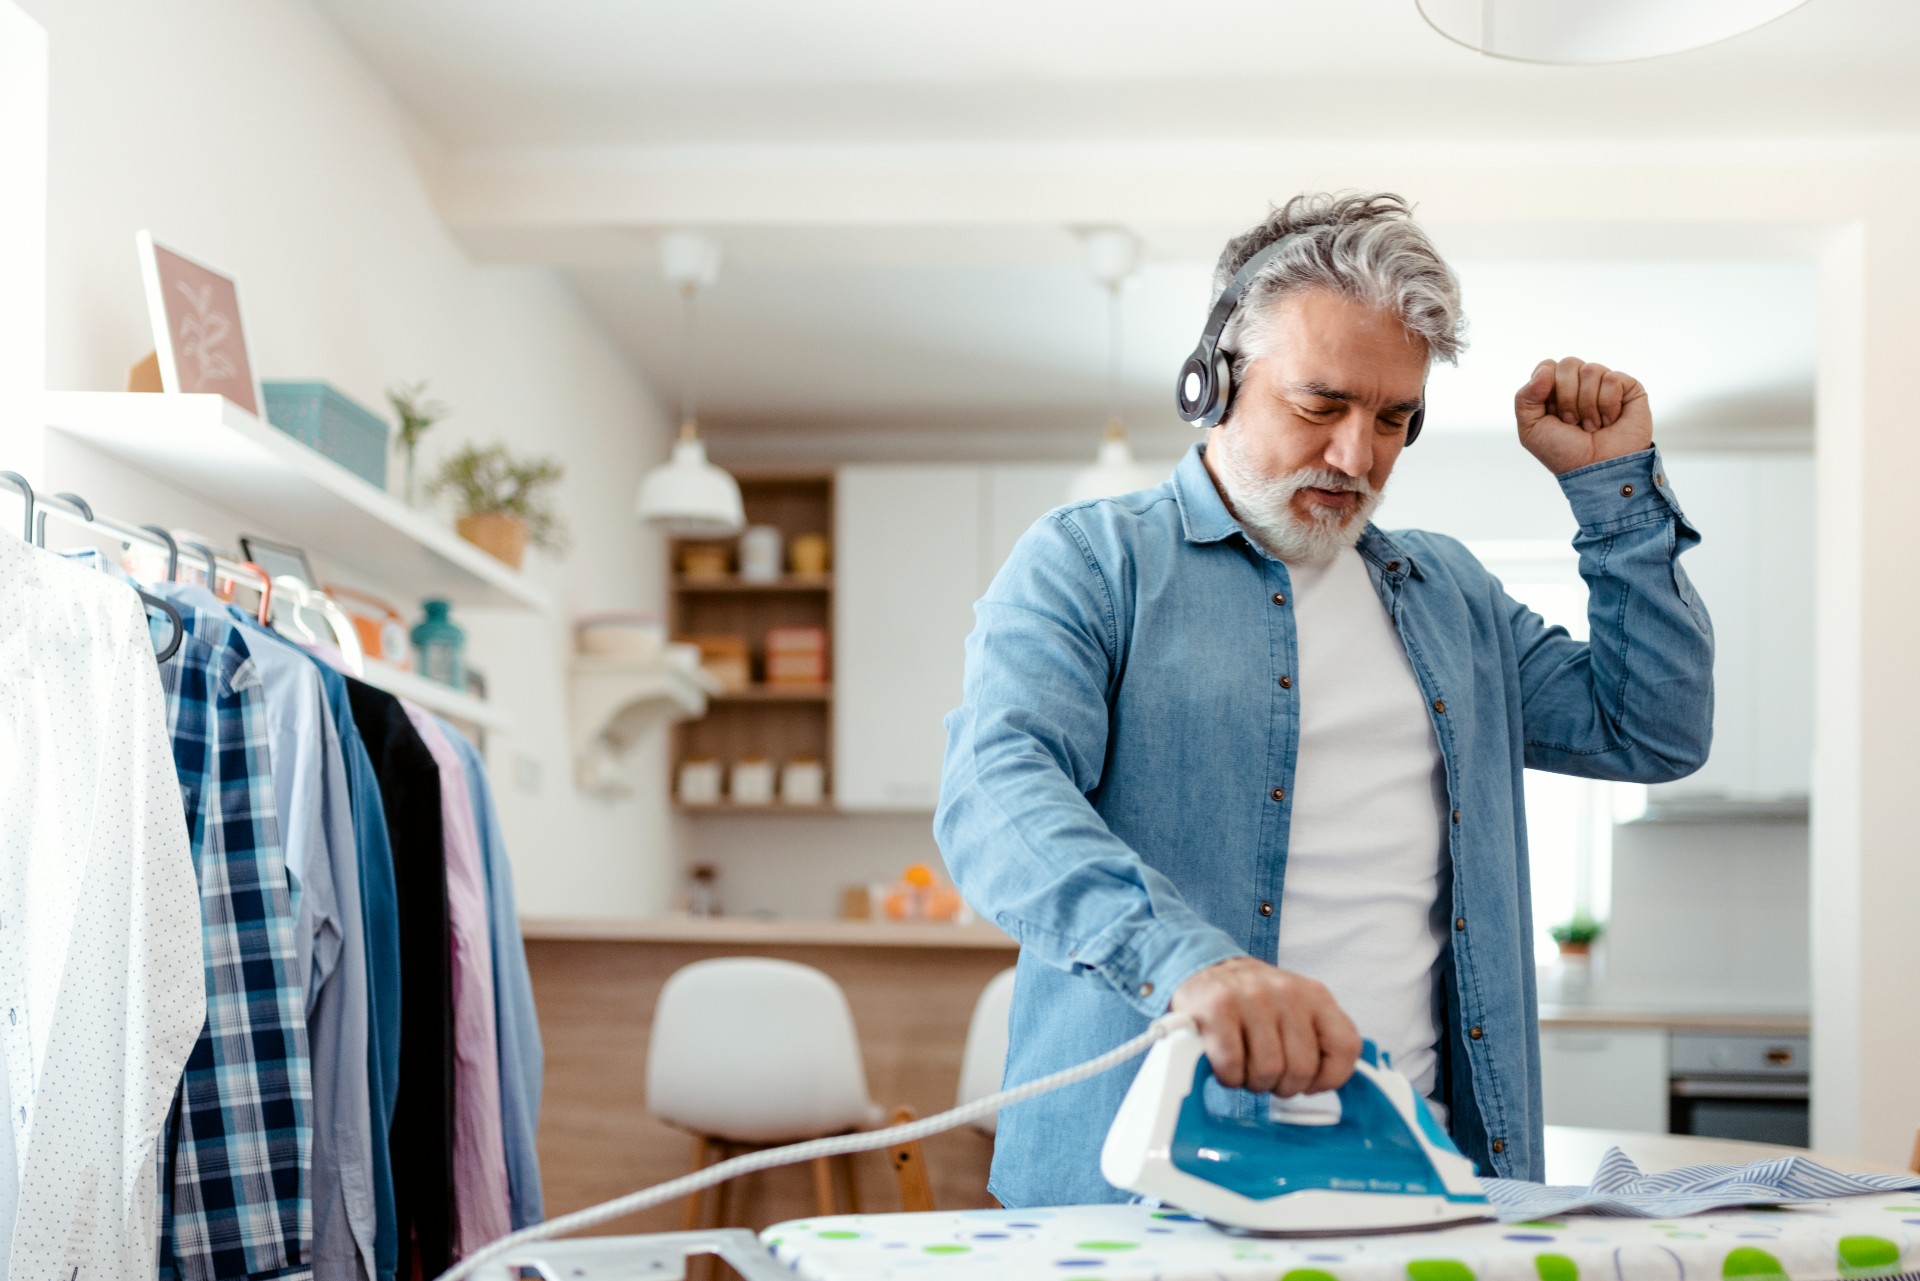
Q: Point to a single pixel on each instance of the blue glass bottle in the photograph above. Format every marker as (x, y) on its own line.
(440, 646)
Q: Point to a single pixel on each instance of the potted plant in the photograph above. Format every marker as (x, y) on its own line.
(417, 413)
(1575, 937)
(503, 500)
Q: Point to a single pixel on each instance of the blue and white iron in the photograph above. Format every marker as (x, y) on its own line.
(1382, 1165)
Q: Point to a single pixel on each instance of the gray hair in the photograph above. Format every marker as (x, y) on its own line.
(1366, 247)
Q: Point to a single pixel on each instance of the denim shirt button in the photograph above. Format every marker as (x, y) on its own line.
(1459, 924)
(1475, 1032)
(1286, 682)
(1279, 793)
(1266, 909)
(1626, 491)
(1146, 989)
(1279, 598)
(1499, 1146)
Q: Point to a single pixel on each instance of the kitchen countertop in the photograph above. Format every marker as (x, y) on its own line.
(1674, 1018)
(741, 930)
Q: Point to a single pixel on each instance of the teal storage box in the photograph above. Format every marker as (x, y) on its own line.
(320, 417)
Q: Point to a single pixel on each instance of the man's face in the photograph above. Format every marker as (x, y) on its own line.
(1331, 398)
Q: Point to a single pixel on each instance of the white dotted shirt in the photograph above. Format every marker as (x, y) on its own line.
(101, 976)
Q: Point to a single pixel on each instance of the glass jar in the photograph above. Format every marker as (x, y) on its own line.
(440, 646)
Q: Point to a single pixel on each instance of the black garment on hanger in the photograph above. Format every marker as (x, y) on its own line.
(422, 1134)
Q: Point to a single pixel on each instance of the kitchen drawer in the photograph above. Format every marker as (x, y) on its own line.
(1707, 1053)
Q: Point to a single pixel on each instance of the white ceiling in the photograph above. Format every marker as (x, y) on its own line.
(969, 339)
(490, 72)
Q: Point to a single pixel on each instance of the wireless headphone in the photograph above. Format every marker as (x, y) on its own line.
(1204, 389)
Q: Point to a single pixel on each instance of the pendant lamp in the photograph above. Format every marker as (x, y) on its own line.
(688, 497)
(1582, 32)
(1112, 255)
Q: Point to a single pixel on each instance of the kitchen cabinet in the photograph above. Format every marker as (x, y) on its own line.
(907, 554)
(1613, 1079)
(1754, 569)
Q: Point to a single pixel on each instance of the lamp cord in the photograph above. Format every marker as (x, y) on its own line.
(689, 391)
(835, 1145)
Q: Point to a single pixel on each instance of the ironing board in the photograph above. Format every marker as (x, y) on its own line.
(1858, 1237)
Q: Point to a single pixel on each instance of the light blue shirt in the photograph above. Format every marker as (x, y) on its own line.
(1118, 776)
(521, 1054)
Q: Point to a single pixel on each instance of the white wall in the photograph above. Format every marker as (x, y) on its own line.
(23, 235)
(244, 132)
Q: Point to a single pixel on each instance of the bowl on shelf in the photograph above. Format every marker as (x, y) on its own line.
(620, 634)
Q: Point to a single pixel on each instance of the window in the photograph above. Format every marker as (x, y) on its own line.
(1569, 820)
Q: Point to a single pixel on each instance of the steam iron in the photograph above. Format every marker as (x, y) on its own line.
(1382, 1165)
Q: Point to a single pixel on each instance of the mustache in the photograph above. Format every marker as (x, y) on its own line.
(1327, 478)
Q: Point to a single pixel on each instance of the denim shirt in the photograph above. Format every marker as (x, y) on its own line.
(1119, 776)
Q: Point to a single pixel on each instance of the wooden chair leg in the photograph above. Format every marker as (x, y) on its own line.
(695, 1202)
(823, 1185)
(910, 1169)
(1915, 1163)
(849, 1181)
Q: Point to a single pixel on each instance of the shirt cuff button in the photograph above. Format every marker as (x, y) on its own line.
(1626, 491)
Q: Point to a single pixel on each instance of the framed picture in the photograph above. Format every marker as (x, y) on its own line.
(277, 558)
(197, 333)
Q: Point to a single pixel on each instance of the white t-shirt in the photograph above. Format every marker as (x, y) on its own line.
(1359, 910)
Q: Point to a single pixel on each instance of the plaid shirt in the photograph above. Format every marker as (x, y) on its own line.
(237, 1198)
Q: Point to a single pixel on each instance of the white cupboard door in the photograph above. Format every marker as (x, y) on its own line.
(1017, 495)
(1608, 1080)
(907, 570)
(1783, 570)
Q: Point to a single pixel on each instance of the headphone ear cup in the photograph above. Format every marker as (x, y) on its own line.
(1222, 387)
(1196, 391)
(1414, 424)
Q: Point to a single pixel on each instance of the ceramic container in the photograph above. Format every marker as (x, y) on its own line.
(751, 782)
(699, 782)
(760, 554)
(803, 782)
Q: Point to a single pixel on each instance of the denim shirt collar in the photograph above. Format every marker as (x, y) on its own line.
(1205, 519)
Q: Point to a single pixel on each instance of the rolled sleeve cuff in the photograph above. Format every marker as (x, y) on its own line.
(1149, 965)
(1621, 493)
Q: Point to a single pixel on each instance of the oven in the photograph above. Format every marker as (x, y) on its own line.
(1739, 1086)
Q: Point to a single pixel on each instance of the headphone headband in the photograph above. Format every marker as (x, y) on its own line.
(1204, 388)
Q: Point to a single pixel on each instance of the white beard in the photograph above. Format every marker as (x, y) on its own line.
(1264, 507)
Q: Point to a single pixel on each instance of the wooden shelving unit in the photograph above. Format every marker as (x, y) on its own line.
(777, 722)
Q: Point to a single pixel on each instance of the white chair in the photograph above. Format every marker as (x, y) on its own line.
(748, 1053)
(985, 1058)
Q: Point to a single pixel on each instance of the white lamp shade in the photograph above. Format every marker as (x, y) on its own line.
(1596, 31)
(689, 497)
(1115, 473)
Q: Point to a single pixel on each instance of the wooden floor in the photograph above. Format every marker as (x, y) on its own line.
(598, 1141)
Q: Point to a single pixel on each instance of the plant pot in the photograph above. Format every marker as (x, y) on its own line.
(1574, 949)
(498, 534)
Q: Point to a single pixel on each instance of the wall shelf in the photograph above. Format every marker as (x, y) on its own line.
(615, 702)
(208, 446)
(455, 705)
(771, 808)
(777, 694)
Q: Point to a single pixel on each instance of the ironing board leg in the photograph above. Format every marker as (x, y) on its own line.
(823, 1184)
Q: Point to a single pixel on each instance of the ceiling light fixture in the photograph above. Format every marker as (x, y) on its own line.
(1576, 32)
(1113, 254)
(688, 497)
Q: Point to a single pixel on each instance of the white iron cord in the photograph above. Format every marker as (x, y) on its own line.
(837, 1145)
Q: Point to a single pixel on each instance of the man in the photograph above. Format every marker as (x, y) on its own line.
(1226, 748)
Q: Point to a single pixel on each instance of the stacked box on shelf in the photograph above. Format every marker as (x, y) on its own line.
(321, 417)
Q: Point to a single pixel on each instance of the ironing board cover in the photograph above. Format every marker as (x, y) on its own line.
(1858, 1237)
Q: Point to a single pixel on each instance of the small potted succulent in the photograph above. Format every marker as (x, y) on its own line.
(1575, 937)
(503, 501)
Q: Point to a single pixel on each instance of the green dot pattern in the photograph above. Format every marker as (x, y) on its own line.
(1555, 1267)
(1754, 1263)
(1109, 1246)
(946, 1249)
(1438, 1270)
(1308, 1274)
(838, 1236)
(1863, 1253)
